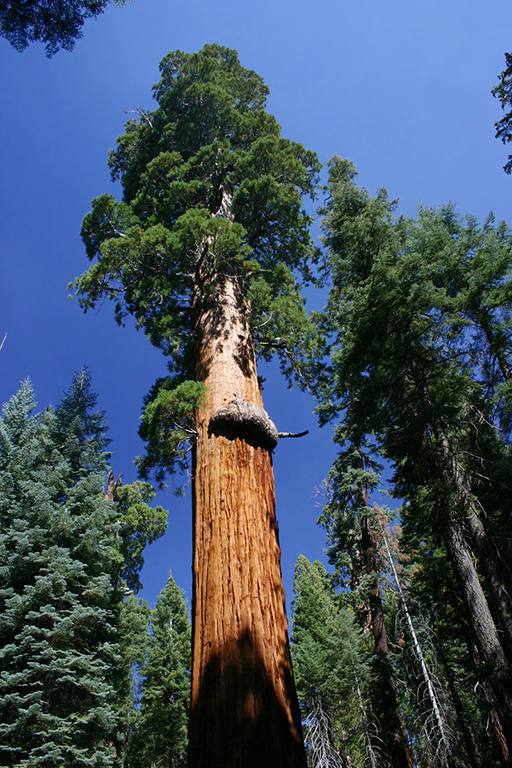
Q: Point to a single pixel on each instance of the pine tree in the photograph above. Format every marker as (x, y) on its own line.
(353, 549)
(203, 252)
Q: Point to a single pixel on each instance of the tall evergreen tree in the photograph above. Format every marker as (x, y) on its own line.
(67, 551)
(133, 642)
(332, 670)
(58, 599)
(421, 311)
(161, 737)
(353, 550)
(204, 251)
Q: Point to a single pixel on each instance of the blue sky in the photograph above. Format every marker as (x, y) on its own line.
(402, 89)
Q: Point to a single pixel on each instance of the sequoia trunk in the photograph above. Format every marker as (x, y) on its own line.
(244, 709)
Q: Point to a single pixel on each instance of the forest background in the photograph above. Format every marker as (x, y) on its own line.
(403, 91)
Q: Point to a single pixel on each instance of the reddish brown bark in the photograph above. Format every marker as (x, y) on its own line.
(244, 709)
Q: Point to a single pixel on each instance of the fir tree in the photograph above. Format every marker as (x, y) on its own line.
(161, 737)
(59, 605)
(331, 664)
(353, 539)
(134, 640)
(67, 551)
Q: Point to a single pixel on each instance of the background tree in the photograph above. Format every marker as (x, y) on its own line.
(446, 640)
(503, 92)
(203, 252)
(354, 542)
(332, 671)
(421, 313)
(56, 23)
(59, 654)
(63, 676)
(133, 641)
(161, 740)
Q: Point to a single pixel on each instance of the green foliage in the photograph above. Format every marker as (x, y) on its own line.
(80, 431)
(140, 525)
(330, 661)
(210, 190)
(133, 641)
(422, 314)
(503, 92)
(419, 317)
(68, 644)
(168, 426)
(58, 601)
(56, 24)
(160, 739)
(354, 475)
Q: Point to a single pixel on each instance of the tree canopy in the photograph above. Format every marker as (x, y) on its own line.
(55, 23)
(503, 92)
(67, 554)
(420, 312)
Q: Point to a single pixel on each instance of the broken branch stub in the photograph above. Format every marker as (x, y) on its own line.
(247, 421)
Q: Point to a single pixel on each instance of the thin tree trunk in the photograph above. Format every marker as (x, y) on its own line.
(437, 709)
(364, 722)
(392, 730)
(244, 709)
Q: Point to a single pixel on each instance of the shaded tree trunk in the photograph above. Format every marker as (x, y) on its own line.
(496, 672)
(486, 551)
(244, 709)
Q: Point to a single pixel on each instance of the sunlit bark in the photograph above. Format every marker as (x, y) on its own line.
(244, 709)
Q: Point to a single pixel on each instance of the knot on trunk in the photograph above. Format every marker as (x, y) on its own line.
(247, 421)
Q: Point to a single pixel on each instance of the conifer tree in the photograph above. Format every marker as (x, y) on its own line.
(332, 671)
(160, 740)
(503, 92)
(353, 550)
(58, 598)
(204, 251)
(66, 552)
(421, 310)
(133, 641)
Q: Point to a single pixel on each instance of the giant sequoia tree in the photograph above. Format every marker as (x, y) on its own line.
(204, 251)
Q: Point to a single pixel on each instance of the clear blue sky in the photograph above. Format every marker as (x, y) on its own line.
(400, 88)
